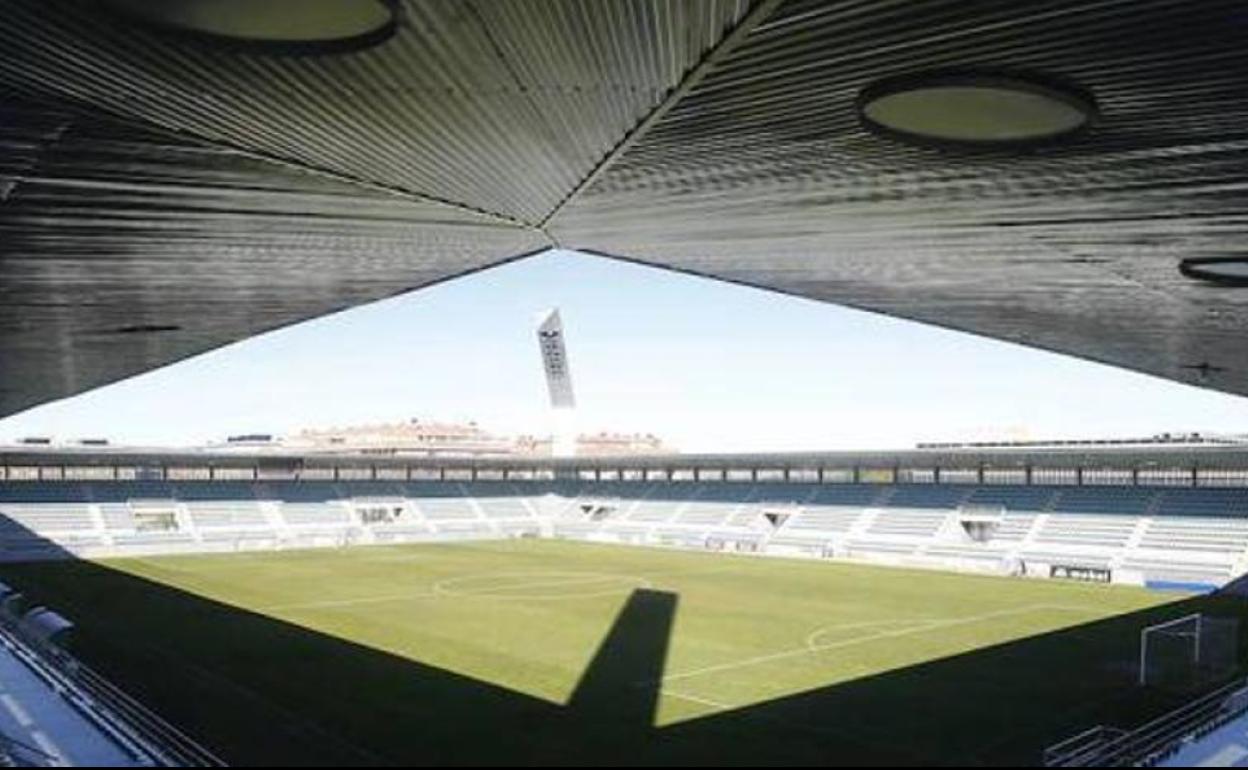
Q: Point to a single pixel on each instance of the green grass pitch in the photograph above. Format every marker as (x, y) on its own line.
(561, 652)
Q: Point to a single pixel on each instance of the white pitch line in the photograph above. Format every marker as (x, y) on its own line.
(440, 591)
(862, 639)
(349, 602)
(697, 699)
(692, 573)
(818, 632)
(501, 591)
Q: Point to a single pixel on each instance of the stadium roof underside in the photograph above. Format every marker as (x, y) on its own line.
(161, 196)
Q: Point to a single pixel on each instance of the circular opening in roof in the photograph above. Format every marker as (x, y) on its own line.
(1229, 271)
(307, 26)
(975, 110)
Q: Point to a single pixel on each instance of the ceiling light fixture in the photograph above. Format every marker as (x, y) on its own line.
(274, 26)
(975, 110)
(1227, 271)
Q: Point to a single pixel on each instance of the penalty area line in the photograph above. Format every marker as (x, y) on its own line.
(717, 705)
(920, 626)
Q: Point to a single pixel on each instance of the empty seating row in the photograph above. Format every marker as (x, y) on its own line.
(1203, 502)
(912, 523)
(662, 503)
(783, 495)
(744, 517)
(1013, 498)
(867, 547)
(827, 519)
(1107, 499)
(927, 496)
(213, 490)
(682, 536)
(574, 529)
(1105, 531)
(503, 507)
(964, 552)
(117, 515)
(121, 491)
(802, 539)
(446, 508)
(400, 533)
(47, 517)
(463, 526)
(1013, 526)
(736, 536)
(1179, 571)
(1193, 534)
(238, 535)
(300, 514)
(864, 495)
(1067, 558)
(169, 537)
(703, 513)
(226, 514)
(302, 491)
(43, 492)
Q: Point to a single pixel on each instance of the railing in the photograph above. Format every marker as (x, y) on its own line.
(1150, 743)
(1083, 749)
(134, 727)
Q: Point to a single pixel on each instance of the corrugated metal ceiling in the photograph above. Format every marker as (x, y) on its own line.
(501, 107)
(122, 248)
(159, 198)
(192, 196)
(763, 175)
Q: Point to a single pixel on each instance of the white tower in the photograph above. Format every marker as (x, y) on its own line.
(558, 382)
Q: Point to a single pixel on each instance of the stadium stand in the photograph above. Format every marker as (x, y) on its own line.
(1105, 499)
(226, 514)
(1080, 530)
(825, 519)
(928, 496)
(869, 547)
(1014, 526)
(911, 523)
(441, 501)
(1202, 502)
(662, 502)
(331, 513)
(1191, 535)
(498, 500)
(713, 506)
(964, 552)
(1020, 498)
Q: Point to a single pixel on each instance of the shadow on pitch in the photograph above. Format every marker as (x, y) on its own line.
(262, 691)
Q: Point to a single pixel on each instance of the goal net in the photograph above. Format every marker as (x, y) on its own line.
(1188, 652)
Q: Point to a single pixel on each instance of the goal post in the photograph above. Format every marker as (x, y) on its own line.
(1188, 651)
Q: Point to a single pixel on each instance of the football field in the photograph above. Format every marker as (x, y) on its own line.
(551, 651)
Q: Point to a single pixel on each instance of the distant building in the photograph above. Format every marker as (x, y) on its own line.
(413, 437)
(599, 445)
(438, 439)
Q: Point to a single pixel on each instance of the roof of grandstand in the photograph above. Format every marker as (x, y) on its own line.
(154, 209)
(1107, 457)
(1164, 439)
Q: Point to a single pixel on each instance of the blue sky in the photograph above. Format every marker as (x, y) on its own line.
(707, 365)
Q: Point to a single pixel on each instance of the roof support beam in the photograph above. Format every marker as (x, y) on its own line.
(752, 19)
